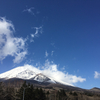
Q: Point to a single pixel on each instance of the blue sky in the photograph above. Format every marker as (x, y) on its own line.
(62, 33)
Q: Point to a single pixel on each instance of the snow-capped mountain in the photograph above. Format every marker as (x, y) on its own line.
(30, 73)
(19, 72)
(26, 73)
(12, 73)
(42, 78)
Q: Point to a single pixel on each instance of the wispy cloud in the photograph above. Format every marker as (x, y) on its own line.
(53, 44)
(52, 53)
(29, 10)
(51, 70)
(37, 31)
(32, 35)
(96, 74)
(10, 45)
(46, 54)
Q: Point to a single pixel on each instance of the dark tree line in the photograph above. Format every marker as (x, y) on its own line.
(6, 93)
(27, 92)
(61, 95)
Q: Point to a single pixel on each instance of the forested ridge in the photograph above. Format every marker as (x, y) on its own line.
(28, 91)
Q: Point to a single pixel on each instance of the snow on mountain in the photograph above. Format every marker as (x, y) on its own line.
(12, 73)
(28, 73)
(19, 72)
(42, 78)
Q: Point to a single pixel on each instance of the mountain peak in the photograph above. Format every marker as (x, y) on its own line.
(19, 72)
(26, 74)
(41, 77)
(29, 74)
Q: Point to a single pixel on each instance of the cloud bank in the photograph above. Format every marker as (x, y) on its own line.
(51, 70)
(10, 45)
(96, 74)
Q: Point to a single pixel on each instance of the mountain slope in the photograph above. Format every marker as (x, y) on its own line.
(19, 72)
(95, 89)
(29, 74)
(42, 78)
(26, 73)
(12, 73)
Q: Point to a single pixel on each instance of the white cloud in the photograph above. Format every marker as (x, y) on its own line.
(19, 57)
(10, 45)
(46, 54)
(31, 39)
(52, 53)
(52, 71)
(96, 74)
(29, 10)
(32, 35)
(38, 30)
(36, 34)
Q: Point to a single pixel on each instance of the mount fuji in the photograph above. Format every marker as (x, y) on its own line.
(17, 76)
(34, 76)
(27, 74)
